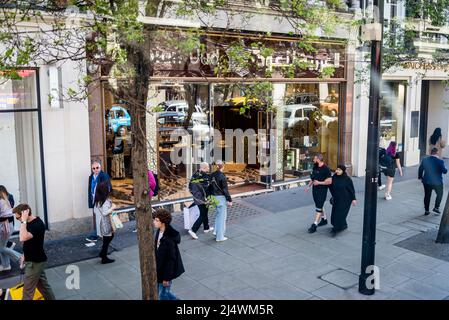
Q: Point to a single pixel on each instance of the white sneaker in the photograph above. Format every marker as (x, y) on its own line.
(193, 234)
(208, 230)
(381, 187)
(214, 233)
(388, 197)
(224, 239)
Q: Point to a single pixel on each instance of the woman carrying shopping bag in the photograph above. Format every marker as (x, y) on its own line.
(103, 210)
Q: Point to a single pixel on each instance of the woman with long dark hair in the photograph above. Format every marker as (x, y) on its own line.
(103, 209)
(6, 229)
(3, 190)
(343, 195)
(391, 162)
(436, 141)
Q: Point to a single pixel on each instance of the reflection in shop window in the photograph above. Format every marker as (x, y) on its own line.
(118, 148)
(392, 114)
(310, 125)
(175, 104)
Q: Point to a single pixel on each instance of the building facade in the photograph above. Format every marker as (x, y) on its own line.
(311, 114)
(414, 95)
(45, 143)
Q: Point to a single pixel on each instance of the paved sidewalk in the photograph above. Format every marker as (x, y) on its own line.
(270, 255)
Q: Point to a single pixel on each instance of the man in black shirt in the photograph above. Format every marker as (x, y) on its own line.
(32, 232)
(320, 179)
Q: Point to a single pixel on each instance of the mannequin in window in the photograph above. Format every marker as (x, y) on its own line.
(118, 159)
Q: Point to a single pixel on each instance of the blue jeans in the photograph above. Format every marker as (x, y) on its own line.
(220, 217)
(7, 253)
(164, 292)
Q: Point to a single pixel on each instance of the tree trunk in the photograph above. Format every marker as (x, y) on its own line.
(443, 232)
(142, 200)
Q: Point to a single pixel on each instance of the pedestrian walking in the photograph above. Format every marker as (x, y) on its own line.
(168, 258)
(219, 189)
(343, 195)
(95, 178)
(436, 141)
(199, 187)
(320, 179)
(390, 161)
(103, 210)
(34, 260)
(430, 173)
(3, 189)
(6, 230)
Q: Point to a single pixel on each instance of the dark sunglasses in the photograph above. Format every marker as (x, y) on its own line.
(95, 168)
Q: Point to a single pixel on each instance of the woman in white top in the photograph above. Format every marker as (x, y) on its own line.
(103, 208)
(6, 229)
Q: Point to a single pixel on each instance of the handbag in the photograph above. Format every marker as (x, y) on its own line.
(115, 221)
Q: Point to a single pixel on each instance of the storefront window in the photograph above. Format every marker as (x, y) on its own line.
(179, 107)
(310, 125)
(392, 114)
(20, 155)
(118, 147)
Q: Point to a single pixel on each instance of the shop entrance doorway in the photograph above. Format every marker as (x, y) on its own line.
(241, 126)
(424, 118)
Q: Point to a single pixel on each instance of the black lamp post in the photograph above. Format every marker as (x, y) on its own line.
(366, 287)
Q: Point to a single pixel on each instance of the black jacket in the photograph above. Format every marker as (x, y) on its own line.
(168, 258)
(219, 185)
(198, 187)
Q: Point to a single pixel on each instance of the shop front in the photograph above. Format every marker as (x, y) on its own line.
(300, 115)
(21, 156)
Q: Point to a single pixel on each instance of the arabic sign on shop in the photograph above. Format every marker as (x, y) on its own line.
(169, 62)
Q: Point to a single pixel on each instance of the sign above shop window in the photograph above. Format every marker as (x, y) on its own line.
(226, 56)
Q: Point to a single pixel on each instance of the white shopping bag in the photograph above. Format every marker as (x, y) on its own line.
(191, 214)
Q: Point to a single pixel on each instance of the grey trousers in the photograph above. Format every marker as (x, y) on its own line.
(35, 278)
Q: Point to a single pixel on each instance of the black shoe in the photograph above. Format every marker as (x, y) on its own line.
(436, 210)
(107, 260)
(333, 232)
(426, 213)
(312, 228)
(323, 222)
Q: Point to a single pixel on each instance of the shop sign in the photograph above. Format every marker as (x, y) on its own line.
(169, 62)
(426, 66)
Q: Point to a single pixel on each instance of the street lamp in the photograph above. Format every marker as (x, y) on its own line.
(372, 32)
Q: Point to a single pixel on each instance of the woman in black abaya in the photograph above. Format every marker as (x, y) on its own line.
(343, 195)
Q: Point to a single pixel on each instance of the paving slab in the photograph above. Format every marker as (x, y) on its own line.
(422, 290)
(341, 278)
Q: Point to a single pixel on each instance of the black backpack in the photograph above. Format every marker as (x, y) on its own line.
(385, 160)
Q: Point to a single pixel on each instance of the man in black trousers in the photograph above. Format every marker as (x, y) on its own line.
(431, 172)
